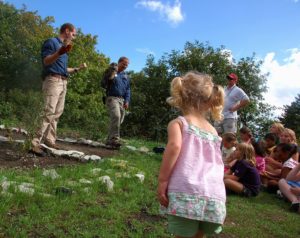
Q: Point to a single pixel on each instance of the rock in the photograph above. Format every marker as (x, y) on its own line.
(68, 140)
(96, 171)
(92, 158)
(131, 147)
(24, 189)
(85, 181)
(3, 139)
(51, 173)
(107, 181)
(140, 176)
(143, 149)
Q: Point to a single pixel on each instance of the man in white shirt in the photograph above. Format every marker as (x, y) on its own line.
(235, 99)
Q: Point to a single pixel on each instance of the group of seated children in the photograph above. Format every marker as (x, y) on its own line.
(271, 163)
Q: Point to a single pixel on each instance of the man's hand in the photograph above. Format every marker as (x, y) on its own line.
(83, 66)
(64, 49)
(126, 105)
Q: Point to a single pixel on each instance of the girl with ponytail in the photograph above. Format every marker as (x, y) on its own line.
(191, 189)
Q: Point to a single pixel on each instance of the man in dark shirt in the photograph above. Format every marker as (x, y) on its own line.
(55, 75)
(118, 97)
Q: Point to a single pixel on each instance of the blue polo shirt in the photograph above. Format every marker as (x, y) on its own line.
(120, 87)
(49, 47)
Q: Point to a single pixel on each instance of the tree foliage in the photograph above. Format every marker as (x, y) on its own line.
(150, 111)
(291, 116)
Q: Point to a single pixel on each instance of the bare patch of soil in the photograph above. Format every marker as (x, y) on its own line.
(13, 155)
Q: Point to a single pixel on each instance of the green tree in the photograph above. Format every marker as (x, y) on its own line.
(291, 116)
(150, 111)
(21, 36)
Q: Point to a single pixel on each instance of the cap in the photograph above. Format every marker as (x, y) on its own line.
(232, 76)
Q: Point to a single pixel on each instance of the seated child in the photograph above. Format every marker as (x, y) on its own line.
(259, 156)
(245, 135)
(289, 136)
(290, 188)
(243, 178)
(229, 141)
(270, 142)
(283, 163)
(276, 128)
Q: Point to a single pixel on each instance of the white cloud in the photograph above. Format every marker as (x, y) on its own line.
(229, 54)
(145, 51)
(171, 14)
(284, 78)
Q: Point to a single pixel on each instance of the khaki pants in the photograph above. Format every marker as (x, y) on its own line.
(115, 107)
(54, 92)
(227, 125)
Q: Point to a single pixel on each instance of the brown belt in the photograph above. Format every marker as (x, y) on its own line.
(58, 76)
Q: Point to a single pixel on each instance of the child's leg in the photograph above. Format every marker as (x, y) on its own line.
(295, 191)
(286, 190)
(233, 185)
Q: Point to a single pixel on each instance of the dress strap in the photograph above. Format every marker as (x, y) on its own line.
(184, 122)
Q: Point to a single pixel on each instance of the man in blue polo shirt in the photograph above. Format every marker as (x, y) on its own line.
(118, 97)
(55, 75)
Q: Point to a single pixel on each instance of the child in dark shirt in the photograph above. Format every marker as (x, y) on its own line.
(243, 177)
(270, 140)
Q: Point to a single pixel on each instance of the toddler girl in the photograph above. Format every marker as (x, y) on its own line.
(243, 177)
(229, 141)
(191, 189)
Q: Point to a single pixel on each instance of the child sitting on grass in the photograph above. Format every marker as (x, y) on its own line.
(245, 135)
(229, 141)
(282, 165)
(243, 177)
(259, 156)
(270, 142)
(290, 188)
(289, 136)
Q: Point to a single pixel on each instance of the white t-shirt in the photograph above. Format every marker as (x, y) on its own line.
(233, 96)
(226, 153)
(290, 163)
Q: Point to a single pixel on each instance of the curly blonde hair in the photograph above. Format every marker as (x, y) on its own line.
(196, 91)
(247, 153)
(291, 134)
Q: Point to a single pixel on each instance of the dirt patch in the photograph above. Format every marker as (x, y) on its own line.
(13, 155)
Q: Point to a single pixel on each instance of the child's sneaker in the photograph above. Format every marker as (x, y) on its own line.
(295, 207)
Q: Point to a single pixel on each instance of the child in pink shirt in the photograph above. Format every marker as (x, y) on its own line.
(190, 183)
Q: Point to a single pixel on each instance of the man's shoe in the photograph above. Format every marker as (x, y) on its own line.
(52, 145)
(37, 150)
(113, 145)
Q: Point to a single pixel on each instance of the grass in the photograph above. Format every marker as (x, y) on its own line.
(130, 210)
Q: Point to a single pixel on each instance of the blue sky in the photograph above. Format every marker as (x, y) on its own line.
(270, 28)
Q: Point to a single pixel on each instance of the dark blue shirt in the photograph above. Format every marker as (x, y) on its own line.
(49, 47)
(120, 87)
(247, 174)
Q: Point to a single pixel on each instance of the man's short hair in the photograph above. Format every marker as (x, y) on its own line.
(122, 59)
(65, 26)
